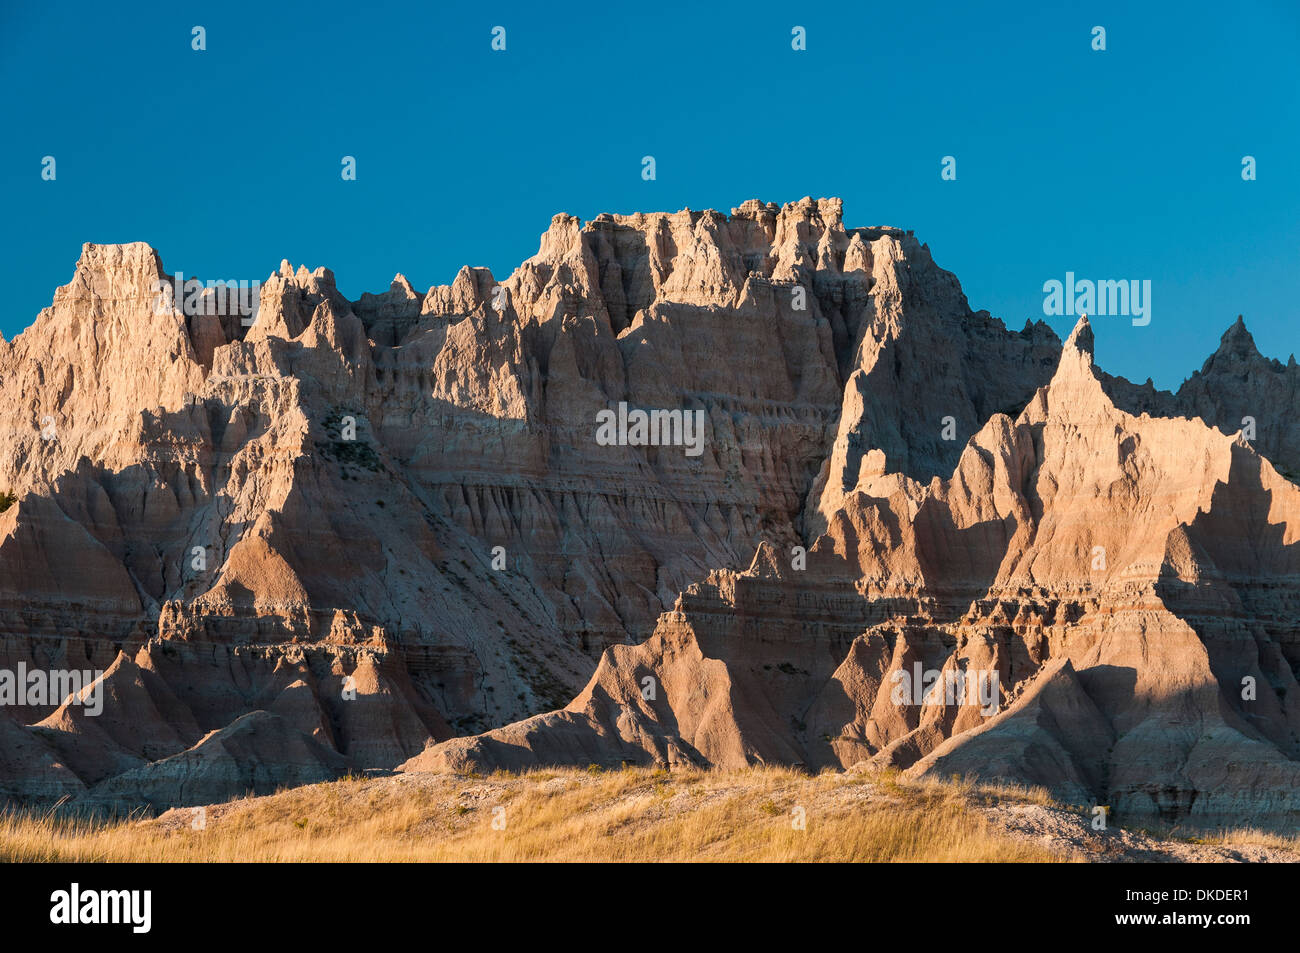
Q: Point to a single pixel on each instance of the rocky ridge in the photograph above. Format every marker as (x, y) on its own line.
(948, 478)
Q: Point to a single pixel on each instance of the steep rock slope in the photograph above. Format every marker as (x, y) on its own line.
(1124, 588)
(302, 516)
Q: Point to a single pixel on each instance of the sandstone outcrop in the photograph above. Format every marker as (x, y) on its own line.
(357, 535)
(1123, 578)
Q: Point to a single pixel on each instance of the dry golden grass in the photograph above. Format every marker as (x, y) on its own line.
(635, 814)
(1248, 837)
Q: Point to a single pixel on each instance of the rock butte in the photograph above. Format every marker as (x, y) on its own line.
(348, 616)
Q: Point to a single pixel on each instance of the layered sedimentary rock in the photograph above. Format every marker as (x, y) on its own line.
(346, 536)
(1125, 587)
(389, 517)
(1236, 389)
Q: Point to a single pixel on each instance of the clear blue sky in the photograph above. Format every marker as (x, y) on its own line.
(1117, 164)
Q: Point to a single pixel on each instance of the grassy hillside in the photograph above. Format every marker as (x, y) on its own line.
(627, 815)
(635, 814)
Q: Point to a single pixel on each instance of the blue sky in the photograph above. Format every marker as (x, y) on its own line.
(1117, 164)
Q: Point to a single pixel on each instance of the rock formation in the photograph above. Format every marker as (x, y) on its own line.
(358, 535)
(1123, 577)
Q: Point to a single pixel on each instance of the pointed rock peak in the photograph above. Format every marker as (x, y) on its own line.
(1238, 340)
(767, 562)
(858, 255)
(400, 284)
(1236, 347)
(316, 281)
(464, 282)
(470, 288)
(1075, 391)
(1081, 338)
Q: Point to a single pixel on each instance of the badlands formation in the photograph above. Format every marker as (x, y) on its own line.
(382, 534)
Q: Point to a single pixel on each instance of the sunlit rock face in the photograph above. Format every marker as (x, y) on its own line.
(331, 535)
